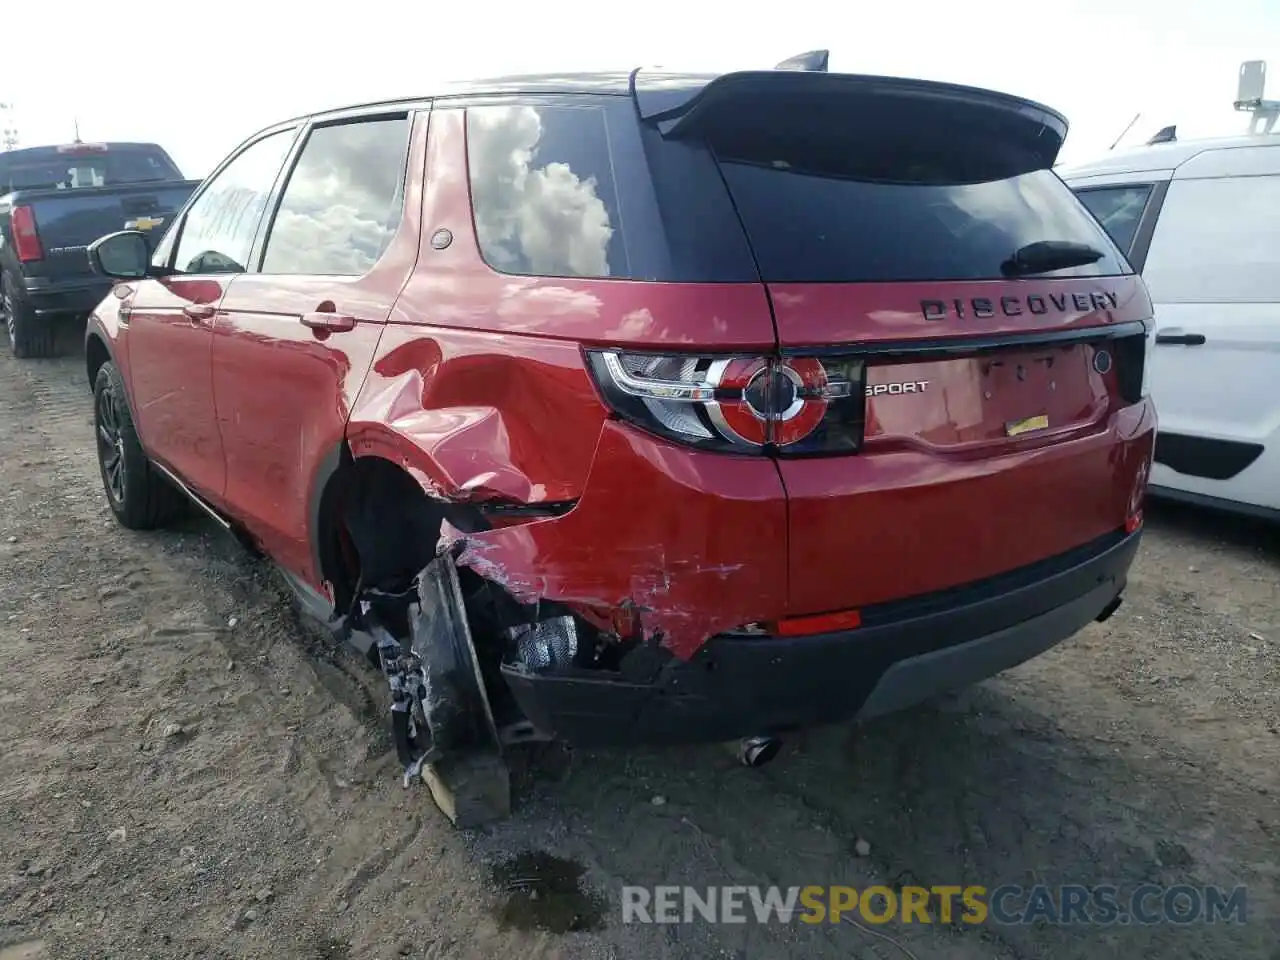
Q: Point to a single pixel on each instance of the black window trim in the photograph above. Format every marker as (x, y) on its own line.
(1146, 228)
(258, 250)
(180, 221)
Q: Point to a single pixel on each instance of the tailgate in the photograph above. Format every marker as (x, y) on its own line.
(912, 237)
(981, 453)
(67, 221)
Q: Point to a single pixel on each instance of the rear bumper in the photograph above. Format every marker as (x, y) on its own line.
(60, 299)
(906, 651)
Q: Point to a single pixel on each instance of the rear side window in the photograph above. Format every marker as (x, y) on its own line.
(343, 201)
(841, 209)
(543, 191)
(1118, 209)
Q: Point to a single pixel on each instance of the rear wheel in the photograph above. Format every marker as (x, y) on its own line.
(28, 337)
(138, 494)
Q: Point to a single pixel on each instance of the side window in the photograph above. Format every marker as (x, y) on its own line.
(219, 227)
(542, 191)
(343, 201)
(1118, 209)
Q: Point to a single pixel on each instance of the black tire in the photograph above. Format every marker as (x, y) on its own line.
(28, 336)
(138, 494)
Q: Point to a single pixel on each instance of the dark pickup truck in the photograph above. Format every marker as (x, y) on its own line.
(54, 202)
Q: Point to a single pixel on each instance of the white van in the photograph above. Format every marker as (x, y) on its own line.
(1201, 221)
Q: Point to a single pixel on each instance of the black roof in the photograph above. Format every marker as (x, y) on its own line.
(658, 83)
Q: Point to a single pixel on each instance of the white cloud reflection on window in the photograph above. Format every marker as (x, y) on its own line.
(535, 213)
(343, 202)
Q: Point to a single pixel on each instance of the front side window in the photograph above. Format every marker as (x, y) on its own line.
(1118, 209)
(543, 192)
(343, 201)
(217, 233)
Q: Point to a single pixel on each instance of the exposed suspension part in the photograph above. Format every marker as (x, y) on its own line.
(439, 706)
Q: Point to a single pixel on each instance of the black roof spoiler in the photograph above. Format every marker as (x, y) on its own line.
(686, 105)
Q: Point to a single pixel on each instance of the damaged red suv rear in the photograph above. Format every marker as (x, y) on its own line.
(647, 407)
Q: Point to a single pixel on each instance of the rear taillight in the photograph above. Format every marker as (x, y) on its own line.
(787, 405)
(26, 240)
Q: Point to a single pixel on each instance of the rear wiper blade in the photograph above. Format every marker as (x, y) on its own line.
(1045, 255)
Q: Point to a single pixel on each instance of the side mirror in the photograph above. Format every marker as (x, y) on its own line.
(125, 255)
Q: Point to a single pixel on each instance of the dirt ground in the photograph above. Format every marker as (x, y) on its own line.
(186, 770)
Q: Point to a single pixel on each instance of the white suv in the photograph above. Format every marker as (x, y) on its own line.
(1201, 221)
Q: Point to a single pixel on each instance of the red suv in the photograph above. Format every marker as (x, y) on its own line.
(679, 407)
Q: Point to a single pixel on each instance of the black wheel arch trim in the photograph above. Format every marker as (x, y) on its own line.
(1206, 457)
(95, 331)
(325, 557)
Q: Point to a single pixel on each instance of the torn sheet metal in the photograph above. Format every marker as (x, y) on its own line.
(694, 554)
(457, 704)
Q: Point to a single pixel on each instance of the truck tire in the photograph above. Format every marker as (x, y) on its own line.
(139, 495)
(28, 337)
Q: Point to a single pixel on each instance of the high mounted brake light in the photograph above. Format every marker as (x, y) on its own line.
(788, 405)
(80, 149)
(26, 239)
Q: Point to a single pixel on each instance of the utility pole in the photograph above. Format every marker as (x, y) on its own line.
(8, 129)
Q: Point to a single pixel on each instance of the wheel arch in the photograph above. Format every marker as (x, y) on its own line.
(376, 487)
(99, 350)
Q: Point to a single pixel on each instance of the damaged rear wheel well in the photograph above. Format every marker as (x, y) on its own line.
(376, 527)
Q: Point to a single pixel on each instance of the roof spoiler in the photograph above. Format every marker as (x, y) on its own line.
(815, 61)
(1036, 130)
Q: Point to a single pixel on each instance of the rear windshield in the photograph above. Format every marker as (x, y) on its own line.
(847, 212)
(52, 170)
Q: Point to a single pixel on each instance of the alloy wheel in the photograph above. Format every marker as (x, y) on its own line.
(110, 445)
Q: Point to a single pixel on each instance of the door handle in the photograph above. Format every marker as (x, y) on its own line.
(329, 322)
(197, 313)
(1186, 339)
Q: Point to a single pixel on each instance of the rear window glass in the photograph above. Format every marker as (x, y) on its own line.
(67, 171)
(840, 212)
(1118, 209)
(543, 191)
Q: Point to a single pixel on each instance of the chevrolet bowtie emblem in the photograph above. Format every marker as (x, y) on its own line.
(143, 223)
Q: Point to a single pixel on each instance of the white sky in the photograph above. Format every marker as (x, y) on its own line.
(198, 78)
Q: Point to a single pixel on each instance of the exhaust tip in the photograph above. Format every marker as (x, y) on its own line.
(757, 751)
(1109, 609)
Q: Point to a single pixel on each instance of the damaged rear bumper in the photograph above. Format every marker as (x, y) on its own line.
(905, 652)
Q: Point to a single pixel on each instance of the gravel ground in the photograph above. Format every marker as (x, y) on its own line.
(186, 770)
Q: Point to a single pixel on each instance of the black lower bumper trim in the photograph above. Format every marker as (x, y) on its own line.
(904, 653)
(68, 300)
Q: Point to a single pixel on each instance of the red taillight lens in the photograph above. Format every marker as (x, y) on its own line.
(787, 405)
(26, 240)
